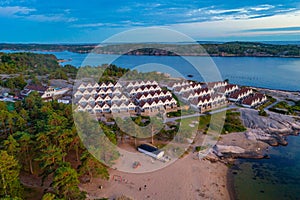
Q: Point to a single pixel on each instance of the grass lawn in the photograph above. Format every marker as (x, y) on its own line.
(283, 107)
(10, 106)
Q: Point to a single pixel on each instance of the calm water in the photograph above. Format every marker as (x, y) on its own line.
(274, 73)
(271, 179)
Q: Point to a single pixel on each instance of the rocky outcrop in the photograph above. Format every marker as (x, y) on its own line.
(261, 133)
(220, 150)
(274, 139)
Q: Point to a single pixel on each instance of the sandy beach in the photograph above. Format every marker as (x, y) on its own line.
(187, 178)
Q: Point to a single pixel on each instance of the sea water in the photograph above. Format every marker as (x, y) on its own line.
(266, 72)
(274, 178)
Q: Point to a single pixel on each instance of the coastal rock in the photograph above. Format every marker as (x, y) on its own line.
(257, 134)
(211, 157)
(295, 125)
(273, 124)
(219, 150)
(271, 139)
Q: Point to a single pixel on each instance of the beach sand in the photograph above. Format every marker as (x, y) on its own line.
(187, 178)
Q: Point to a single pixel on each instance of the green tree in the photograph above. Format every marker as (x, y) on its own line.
(49, 159)
(48, 196)
(65, 183)
(3, 106)
(92, 167)
(25, 141)
(3, 116)
(9, 176)
(33, 99)
(11, 145)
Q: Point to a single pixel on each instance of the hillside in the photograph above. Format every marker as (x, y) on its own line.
(217, 49)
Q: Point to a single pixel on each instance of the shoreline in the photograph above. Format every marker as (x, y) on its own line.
(162, 55)
(271, 89)
(230, 185)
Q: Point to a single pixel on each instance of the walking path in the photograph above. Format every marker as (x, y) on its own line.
(199, 114)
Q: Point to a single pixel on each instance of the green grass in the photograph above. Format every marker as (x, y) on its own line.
(269, 102)
(283, 107)
(204, 122)
(233, 123)
(10, 106)
(179, 113)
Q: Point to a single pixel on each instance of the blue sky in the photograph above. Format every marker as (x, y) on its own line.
(87, 21)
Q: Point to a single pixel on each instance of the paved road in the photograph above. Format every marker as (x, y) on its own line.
(199, 114)
(273, 104)
(182, 117)
(223, 109)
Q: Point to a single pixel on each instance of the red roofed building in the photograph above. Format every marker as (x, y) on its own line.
(240, 94)
(254, 100)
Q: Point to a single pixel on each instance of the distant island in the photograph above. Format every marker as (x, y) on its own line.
(228, 49)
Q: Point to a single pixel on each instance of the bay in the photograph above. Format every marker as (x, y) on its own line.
(266, 72)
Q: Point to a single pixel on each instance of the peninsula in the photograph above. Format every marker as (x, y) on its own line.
(226, 49)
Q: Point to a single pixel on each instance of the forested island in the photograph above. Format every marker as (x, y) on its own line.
(251, 49)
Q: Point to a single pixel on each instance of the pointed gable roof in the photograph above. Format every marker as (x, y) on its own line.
(96, 85)
(88, 107)
(99, 99)
(118, 85)
(97, 107)
(103, 85)
(82, 86)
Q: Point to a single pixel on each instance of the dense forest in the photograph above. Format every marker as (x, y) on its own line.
(39, 138)
(79, 48)
(220, 49)
(32, 63)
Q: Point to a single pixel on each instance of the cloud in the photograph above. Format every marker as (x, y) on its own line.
(280, 24)
(262, 7)
(126, 23)
(19, 12)
(15, 10)
(50, 18)
(293, 28)
(216, 11)
(90, 25)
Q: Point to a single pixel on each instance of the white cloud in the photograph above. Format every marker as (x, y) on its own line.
(262, 7)
(15, 10)
(126, 23)
(50, 18)
(239, 10)
(90, 25)
(29, 14)
(225, 27)
(233, 17)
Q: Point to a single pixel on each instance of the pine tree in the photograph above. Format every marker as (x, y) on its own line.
(26, 148)
(65, 183)
(9, 176)
(92, 167)
(11, 145)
